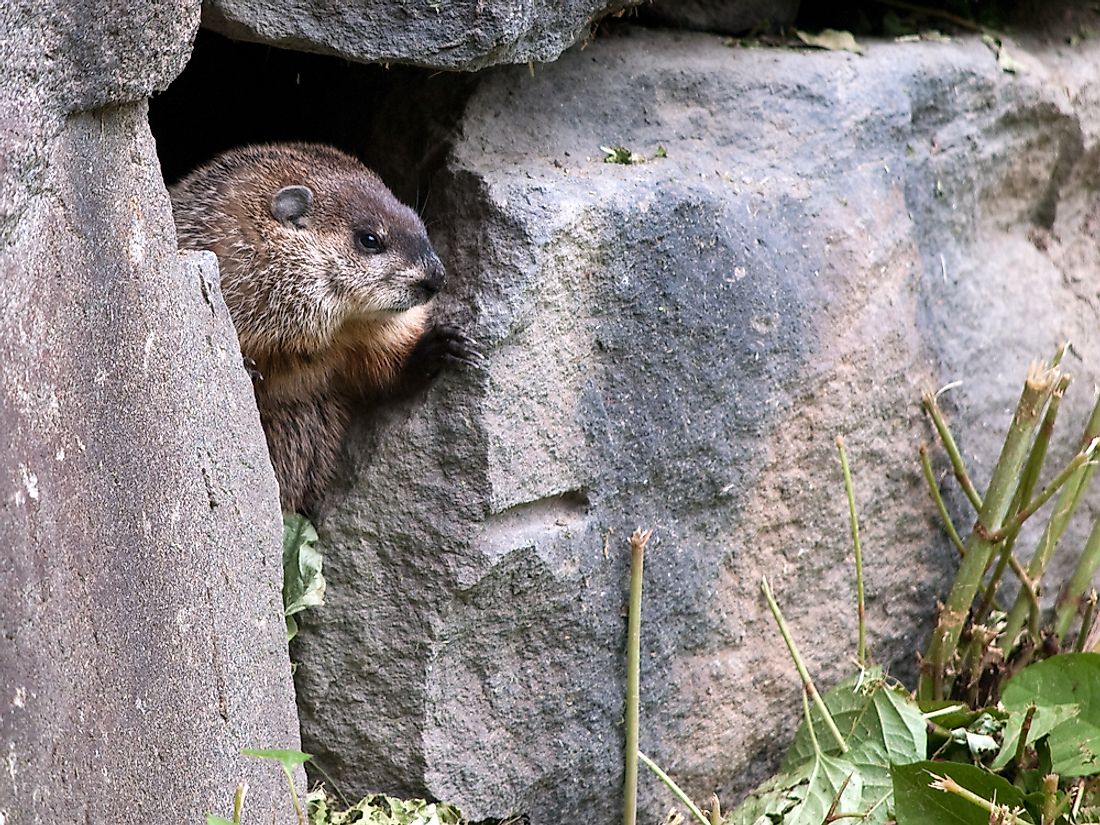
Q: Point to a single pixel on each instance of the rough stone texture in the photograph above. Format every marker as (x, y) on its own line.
(143, 643)
(726, 16)
(449, 34)
(677, 344)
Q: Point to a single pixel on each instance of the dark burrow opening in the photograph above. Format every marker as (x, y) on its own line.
(398, 120)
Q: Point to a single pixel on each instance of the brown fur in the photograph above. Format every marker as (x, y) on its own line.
(323, 318)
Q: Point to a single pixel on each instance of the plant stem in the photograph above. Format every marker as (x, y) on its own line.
(1050, 799)
(638, 541)
(934, 488)
(979, 549)
(238, 802)
(861, 611)
(294, 795)
(715, 810)
(1052, 534)
(1025, 731)
(949, 785)
(807, 682)
(672, 786)
(1022, 506)
(1068, 472)
(1086, 621)
(1069, 600)
(932, 407)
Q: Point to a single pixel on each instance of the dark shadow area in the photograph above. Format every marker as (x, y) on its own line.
(397, 120)
(895, 18)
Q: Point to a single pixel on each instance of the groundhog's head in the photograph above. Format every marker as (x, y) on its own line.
(310, 243)
(371, 250)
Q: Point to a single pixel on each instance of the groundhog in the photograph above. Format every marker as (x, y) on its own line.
(329, 281)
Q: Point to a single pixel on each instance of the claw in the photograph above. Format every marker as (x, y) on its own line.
(251, 368)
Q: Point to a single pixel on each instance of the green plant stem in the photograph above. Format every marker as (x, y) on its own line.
(1050, 800)
(715, 810)
(638, 541)
(932, 407)
(934, 488)
(676, 790)
(238, 802)
(804, 674)
(1022, 505)
(1002, 814)
(1025, 730)
(1068, 499)
(294, 795)
(1067, 473)
(861, 610)
(1086, 622)
(979, 550)
(810, 723)
(1069, 600)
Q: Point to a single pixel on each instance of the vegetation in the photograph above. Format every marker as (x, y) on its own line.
(303, 582)
(1004, 723)
(321, 809)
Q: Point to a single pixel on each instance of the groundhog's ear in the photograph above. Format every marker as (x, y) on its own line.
(291, 205)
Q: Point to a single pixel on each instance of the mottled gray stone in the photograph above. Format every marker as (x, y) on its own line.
(449, 34)
(143, 640)
(677, 344)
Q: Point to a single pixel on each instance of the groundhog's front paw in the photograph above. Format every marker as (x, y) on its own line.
(441, 346)
(252, 369)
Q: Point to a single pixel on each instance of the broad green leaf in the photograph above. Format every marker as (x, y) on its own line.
(1054, 686)
(803, 796)
(217, 820)
(878, 722)
(881, 728)
(287, 758)
(1046, 719)
(916, 802)
(303, 582)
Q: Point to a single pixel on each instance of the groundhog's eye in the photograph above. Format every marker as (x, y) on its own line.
(368, 241)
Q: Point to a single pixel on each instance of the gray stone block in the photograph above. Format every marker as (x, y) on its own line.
(677, 344)
(450, 34)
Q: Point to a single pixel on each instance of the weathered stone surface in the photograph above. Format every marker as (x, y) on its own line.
(726, 16)
(677, 344)
(456, 34)
(143, 642)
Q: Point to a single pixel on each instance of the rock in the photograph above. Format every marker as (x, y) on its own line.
(676, 344)
(456, 34)
(724, 16)
(144, 643)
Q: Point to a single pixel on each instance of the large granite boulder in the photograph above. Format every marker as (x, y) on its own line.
(456, 34)
(812, 239)
(143, 641)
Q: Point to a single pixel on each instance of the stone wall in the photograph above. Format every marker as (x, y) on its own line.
(143, 642)
(811, 239)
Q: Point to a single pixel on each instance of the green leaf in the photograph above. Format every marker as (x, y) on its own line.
(804, 795)
(917, 803)
(379, 809)
(880, 726)
(1046, 719)
(287, 758)
(216, 820)
(303, 583)
(1056, 686)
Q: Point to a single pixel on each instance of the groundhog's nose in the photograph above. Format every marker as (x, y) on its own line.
(436, 276)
